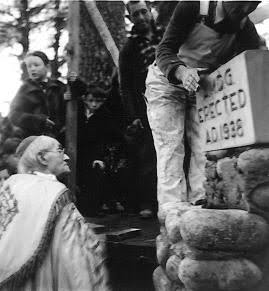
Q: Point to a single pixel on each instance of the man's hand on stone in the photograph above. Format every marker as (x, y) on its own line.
(189, 78)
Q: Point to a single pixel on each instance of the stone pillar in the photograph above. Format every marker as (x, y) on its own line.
(225, 245)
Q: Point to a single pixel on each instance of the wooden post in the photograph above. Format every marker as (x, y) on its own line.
(260, 14)
(103, 31)
(71, 109)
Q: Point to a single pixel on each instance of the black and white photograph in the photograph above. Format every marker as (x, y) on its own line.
(134, 145)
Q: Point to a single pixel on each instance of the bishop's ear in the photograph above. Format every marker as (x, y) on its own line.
(41, 158)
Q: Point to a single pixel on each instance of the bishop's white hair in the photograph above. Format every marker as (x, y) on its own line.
(28, 163)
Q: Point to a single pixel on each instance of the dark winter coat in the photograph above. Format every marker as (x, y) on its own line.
(95, 136)
(34, 103)
(134, 59)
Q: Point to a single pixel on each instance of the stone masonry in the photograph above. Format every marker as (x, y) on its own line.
(222, 245)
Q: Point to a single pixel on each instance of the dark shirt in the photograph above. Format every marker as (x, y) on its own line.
(96, 132)
(186, 15)
(135, 57)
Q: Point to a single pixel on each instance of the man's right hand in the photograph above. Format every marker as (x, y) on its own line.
(49, 124)
(189, 78)
(72, 76)
(98, 164)
(138, 123)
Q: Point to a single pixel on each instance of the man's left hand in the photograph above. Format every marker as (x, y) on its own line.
(189, 78)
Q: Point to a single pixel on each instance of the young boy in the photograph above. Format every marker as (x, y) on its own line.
(99, 154)
(38, 107)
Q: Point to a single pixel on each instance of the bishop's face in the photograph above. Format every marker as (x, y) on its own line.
(56, 159)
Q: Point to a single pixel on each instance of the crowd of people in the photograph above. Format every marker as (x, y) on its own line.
(116, 160)
(120, 130)
(127, 136)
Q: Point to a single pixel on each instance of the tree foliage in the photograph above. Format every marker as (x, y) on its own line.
(18, 18)
(21, 19)
(59, 21)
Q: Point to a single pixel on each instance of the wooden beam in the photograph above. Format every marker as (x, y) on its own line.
(71, 107)
(103, 30)
(260, 14)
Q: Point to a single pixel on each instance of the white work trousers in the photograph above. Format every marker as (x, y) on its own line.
(169, 114)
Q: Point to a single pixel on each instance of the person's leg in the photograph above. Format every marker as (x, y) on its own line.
(133, 185)
(97, 184)
(147, 174)
(121, 180)
(84, 198)
(196, 173)
(166, 114)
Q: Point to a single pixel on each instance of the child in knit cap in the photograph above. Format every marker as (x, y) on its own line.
(38, 107)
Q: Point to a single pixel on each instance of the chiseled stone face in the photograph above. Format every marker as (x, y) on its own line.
(160, 280)
(182, 250)
(172, 268)
(226, 230)
(234, 274)
(178, 207)
(254, 167)
(216, 155)
(162, 247)
(210, 170)
(224, 185)
(233, 103)
(259, 197)
(241, 183)
(232, 183)
(172, 224)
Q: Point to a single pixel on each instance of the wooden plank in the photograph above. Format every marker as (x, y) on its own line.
(117, 222)
(260, 14)
(123, 234)
(103, 30)
(97, 228)
(71, 107)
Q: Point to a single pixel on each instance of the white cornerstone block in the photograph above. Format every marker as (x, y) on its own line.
(233, 102)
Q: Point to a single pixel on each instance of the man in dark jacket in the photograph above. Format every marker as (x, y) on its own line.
(200, 35)
(135, 57)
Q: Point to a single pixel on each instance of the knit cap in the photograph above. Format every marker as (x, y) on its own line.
(41, 55)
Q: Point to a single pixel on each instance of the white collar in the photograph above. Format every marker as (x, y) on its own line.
(48, 176)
